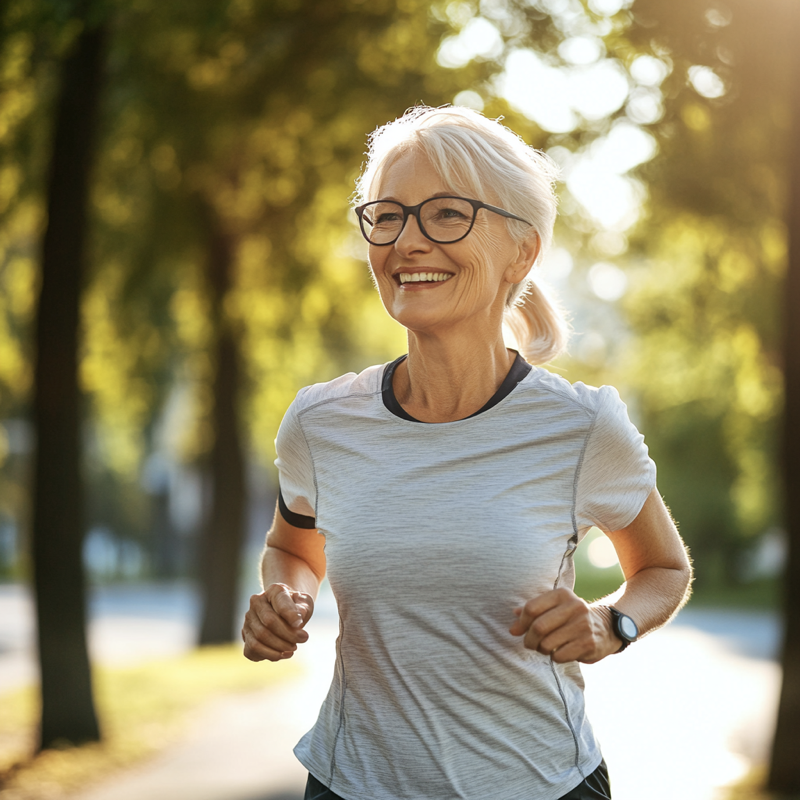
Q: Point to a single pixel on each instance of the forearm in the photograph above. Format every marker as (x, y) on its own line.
(652, 596)
(278, 566)
(656, 565)
(654, 560)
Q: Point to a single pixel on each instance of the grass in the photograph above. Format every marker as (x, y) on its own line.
(760, 595)
(751, 787)
(141, 710)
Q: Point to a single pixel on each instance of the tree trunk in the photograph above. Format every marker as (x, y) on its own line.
(67, 712)
(223, 533)
(784, 774)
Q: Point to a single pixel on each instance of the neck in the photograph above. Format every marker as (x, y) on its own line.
(446, 379)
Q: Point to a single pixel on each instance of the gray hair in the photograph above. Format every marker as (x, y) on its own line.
(481, 158)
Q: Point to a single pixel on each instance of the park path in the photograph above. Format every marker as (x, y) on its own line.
(692, 705)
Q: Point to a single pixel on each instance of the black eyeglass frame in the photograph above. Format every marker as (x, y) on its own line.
(409, 211)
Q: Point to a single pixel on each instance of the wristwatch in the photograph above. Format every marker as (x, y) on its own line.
(624, 627)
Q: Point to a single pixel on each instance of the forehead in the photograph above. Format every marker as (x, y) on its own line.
(410, 178)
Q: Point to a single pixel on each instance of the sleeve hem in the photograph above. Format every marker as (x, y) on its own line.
(646, 491)
(298, 520)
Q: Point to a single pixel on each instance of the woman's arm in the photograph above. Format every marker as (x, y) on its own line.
(292, 568)
(657, 573)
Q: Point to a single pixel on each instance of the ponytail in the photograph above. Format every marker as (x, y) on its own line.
(538, 323)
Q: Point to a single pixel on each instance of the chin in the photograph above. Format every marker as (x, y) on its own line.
(415, 323)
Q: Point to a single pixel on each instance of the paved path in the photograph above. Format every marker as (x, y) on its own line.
(693, 704)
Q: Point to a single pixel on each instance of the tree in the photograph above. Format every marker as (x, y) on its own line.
(258, 116)
(705, 270)
(784, 773)
(724, 200)
(67, 711)
(225, 526)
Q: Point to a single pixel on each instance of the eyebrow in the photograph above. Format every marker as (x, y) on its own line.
(391, 199)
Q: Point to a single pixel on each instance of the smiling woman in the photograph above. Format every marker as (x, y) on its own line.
(451, 488)
(468, 156)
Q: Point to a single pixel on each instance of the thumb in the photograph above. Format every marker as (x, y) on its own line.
(304, 604)
(281, 598)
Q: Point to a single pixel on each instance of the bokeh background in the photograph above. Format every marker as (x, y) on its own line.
(178, 256)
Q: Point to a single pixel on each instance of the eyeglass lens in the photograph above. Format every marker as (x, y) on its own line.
(444, 219)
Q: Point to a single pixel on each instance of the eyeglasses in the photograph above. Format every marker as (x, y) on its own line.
(443, 220)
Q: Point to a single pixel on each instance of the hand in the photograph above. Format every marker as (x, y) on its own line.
(560, 624)
(273, 627)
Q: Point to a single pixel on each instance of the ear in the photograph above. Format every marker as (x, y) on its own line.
(527, 252)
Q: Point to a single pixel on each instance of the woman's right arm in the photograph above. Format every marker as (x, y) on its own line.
(292, 568)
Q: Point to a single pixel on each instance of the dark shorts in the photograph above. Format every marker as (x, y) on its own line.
(595, 787)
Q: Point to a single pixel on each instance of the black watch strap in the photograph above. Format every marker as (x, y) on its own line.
(625, 629)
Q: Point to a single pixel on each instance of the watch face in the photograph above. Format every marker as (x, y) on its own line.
(628, 627)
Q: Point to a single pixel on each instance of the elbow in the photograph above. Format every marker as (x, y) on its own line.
(687, 575)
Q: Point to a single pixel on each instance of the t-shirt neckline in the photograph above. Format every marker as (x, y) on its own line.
(519, 369)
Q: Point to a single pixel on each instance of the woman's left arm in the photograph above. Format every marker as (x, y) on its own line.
(658, 575)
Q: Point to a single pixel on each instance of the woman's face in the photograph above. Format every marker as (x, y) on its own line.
(471, 278)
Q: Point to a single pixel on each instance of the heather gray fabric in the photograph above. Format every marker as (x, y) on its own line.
(434, 533)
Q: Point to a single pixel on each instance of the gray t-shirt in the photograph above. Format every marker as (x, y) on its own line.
(434, 533)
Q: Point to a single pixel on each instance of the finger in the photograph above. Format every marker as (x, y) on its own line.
(573, 641)
(262, 610)
(280, 598)
(537, 628)
(535, 607)
(254, 650)
(283, 639)
(305, 605)
(571, 651)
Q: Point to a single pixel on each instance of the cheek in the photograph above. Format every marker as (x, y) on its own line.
(382, 282)
(375, 261)
(488, 252)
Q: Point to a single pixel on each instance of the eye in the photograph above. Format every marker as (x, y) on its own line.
(385, 214)
(448, 212)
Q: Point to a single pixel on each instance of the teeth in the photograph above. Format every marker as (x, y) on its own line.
(417, 277)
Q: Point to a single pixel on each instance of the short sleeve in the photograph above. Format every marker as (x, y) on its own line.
(298, 492)
(616, 474)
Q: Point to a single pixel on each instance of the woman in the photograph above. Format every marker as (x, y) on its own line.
(451, 488)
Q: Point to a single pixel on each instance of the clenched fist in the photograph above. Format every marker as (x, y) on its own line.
(561, 625)
(273, 627)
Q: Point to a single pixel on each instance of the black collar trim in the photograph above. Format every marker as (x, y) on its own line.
(519, 369)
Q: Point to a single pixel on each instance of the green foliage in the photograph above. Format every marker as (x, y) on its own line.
(259, 111)
(256, 112)
(707, 267)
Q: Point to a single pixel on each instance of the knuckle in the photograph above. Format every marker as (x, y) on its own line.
(538, 627)
(250, 654)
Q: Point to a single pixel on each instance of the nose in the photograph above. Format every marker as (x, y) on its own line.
(411, 238)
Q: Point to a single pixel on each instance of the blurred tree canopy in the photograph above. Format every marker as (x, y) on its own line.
(255, 114)
(705, 300)
(249, 119)
(246, 117)
(228, 134)
(224, 271)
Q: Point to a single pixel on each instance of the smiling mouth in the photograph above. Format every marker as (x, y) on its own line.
(422, 277)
